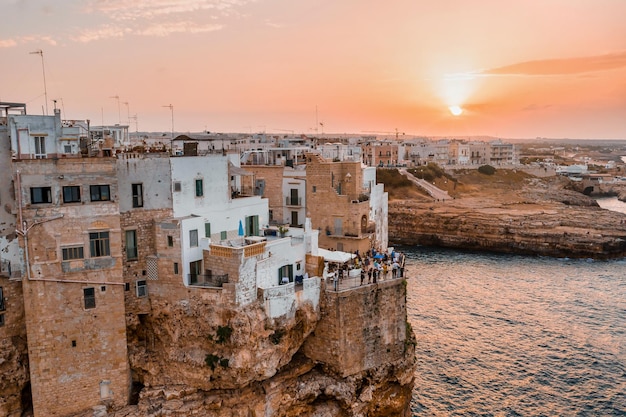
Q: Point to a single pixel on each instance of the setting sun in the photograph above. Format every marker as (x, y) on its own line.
(455, 110)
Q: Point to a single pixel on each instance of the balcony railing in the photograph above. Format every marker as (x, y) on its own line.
(201, 280)
(293, 201)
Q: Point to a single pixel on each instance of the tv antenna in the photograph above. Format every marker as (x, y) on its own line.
(43, 68)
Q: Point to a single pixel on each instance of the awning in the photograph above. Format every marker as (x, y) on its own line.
(235, 170)
(335, 255)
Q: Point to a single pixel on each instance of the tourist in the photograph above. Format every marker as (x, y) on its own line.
(362, 276)
(369, 275)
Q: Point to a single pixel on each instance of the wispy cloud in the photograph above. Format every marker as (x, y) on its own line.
(177, 27)
(149, 9)
(7, 43)
(562, 66)
(156, 30)
(102, 32)
(35, 39)
(117, 19)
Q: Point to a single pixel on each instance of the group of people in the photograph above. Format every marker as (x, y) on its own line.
(375, 265)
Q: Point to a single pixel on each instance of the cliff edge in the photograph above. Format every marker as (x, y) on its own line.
(511, 212)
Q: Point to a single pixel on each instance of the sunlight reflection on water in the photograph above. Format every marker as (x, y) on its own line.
(502, 335)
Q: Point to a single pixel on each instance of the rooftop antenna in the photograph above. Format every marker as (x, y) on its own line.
(127, 111)
(43, 68)
(172, 136)
(119, 113)
(62, 105)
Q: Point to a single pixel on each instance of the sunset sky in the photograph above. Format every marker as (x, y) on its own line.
(514, 69)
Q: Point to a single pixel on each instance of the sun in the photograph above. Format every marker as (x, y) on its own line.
(455, 110)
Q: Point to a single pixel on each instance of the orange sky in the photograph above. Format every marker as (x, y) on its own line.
(518, 69)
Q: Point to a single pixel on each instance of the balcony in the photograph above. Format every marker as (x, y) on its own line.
(293, 201)
(214, 281)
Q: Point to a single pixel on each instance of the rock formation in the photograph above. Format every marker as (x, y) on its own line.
(535, 217)
(355, 356)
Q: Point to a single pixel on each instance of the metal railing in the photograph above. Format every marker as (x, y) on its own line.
(201, 280)
(293, 201)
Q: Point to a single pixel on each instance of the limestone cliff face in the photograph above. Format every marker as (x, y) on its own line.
(545, 228)
(14, 371)
(195, 358)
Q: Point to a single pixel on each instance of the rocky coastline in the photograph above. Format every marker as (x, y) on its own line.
(542, 217)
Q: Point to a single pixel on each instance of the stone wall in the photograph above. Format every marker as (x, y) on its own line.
(327, 208)
(362, 328)
(13, 351)
(273, 177)
(76, 349)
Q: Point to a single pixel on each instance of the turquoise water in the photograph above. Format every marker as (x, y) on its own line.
(503, 335)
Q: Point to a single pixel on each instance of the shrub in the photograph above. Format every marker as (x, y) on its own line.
(211, 360)
(486, 169)
(277, 336)
(223, 334)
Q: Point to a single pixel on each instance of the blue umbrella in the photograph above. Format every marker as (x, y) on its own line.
(240, 228)
(379, 256)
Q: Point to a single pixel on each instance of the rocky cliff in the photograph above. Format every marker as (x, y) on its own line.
(531, 216)
(195, 358)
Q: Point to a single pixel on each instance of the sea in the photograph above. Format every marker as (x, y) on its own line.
(507, 335)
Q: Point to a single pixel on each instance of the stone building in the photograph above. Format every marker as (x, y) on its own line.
(71, 274)
(149, 283)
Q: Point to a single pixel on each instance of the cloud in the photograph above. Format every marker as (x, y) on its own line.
(536, 107)
(103, 32)
(7, 43)
(150, 9)
(158, 30)
(177, 27)
(38, 39)
(562, 66)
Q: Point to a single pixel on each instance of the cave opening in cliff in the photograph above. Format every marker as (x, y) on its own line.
(27, 400)
(135, 390)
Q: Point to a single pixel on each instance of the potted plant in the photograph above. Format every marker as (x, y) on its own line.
(282, 229)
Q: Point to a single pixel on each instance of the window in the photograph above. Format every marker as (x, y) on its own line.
(142, 288)
(285, 274)
(199, 188)
(100, 192)
(195, 272)
(67, 149)
(1, 320)
(131, 245)
(175, 268)
(193, 238)
(207, 229)
(99, 244)
(89, 295)
(137, 195)
(252, 225)
(177, 186)
(170, 241)
(223, 235)
(71, 194)
(40, 195)
(2, 306)
(314, 188)
(75, 252)
(40, 147)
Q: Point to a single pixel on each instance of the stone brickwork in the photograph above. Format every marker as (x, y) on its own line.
(362, 328)
(273, 177)
(143, 223)
(13, 350)
(333, 192)
(76, 340)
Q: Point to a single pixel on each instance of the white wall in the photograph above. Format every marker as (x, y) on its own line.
(152, 172)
